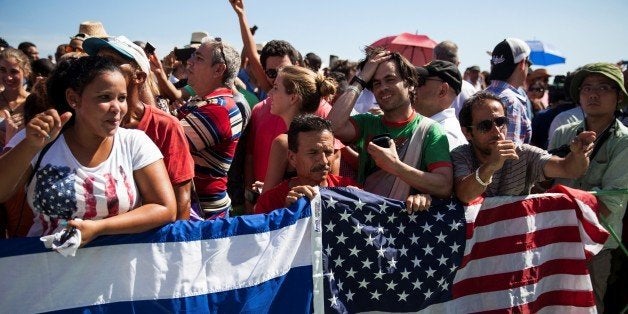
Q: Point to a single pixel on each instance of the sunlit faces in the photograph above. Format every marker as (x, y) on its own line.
(426, 98)
(32, 53)
(102, 104)
(282, 103)
(11, 74)
(599, 95)
(273, 64)
(483, 140)
(201, 72)
(389, 88)
(314, 157)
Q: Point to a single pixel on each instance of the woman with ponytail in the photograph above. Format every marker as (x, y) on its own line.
(296, 91)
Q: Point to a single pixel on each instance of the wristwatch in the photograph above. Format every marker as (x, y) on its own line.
(357, 79)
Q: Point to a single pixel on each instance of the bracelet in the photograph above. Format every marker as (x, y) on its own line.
(354, 89)
(190, 90)
(477, 178)
(359, 80)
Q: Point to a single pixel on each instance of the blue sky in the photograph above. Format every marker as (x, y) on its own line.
(584, 31)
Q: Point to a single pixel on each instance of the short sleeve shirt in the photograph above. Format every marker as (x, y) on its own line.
(516, 177)
(435, 145)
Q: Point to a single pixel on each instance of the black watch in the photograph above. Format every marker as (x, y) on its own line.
(359, 80)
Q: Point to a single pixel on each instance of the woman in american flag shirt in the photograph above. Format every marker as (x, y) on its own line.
(78, 163)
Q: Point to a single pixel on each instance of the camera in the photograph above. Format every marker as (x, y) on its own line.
(382, 140)
(183, 54)
(149, 49)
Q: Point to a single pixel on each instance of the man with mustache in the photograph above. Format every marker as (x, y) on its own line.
(311, 153)
(491, 165)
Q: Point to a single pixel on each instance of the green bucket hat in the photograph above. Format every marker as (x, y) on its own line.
(609, 70)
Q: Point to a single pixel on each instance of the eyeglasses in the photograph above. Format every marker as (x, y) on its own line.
(222, 51)
(486, 126)
(73, 49)
(598, 89)
(271, 73)
(537, 89)
(423, 80)
(528, 63)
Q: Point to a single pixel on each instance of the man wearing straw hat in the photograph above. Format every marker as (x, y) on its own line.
(599, 87)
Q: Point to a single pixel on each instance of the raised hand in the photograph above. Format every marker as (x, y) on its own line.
(583, 143)
(45, 127)
(500, 152)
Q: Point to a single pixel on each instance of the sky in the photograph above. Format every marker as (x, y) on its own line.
(583, 31)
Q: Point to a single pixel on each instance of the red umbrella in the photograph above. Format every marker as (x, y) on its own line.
(418, 49)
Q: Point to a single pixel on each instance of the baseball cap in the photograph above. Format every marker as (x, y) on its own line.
(120, 44)
(445, 70)
(608, 70)
(505, 57)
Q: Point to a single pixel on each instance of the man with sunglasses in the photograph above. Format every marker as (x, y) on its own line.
(491, 165)
(599, 88)
(509, 69)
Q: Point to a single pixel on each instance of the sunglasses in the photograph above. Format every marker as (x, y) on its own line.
(537, 89)
(271, 73)
(423, 80)
(486, 126)
(222, 51)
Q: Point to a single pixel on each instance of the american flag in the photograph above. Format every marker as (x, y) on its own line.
(377, 257)
(529, 253)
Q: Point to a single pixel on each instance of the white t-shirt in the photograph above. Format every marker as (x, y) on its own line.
(466, 91)
(447, 119)
(63, 188)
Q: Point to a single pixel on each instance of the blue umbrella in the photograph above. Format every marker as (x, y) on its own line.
(544, 54)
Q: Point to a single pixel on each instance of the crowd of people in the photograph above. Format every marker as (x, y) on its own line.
(112, 139)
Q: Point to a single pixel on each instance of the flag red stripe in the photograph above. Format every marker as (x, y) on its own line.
(497, 282)
(528, 207)
(552, 298)
(522, 242)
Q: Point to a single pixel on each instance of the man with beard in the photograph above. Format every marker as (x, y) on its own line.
(311, 153)
(391, 169)
(491, 165)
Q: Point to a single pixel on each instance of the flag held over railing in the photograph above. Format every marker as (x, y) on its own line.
(356, 252)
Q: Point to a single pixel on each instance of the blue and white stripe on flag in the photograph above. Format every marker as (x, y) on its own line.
(251, 264)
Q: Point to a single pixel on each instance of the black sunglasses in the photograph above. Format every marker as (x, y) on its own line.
(485, 126)
(537, 89)
(271, 73)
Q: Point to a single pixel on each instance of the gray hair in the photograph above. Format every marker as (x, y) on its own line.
(232, 59)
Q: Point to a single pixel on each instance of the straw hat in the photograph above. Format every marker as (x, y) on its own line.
(197, 39)
(93, 29)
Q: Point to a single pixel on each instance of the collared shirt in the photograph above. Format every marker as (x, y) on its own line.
(519, 124)
(447, 118)
(607, 171)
